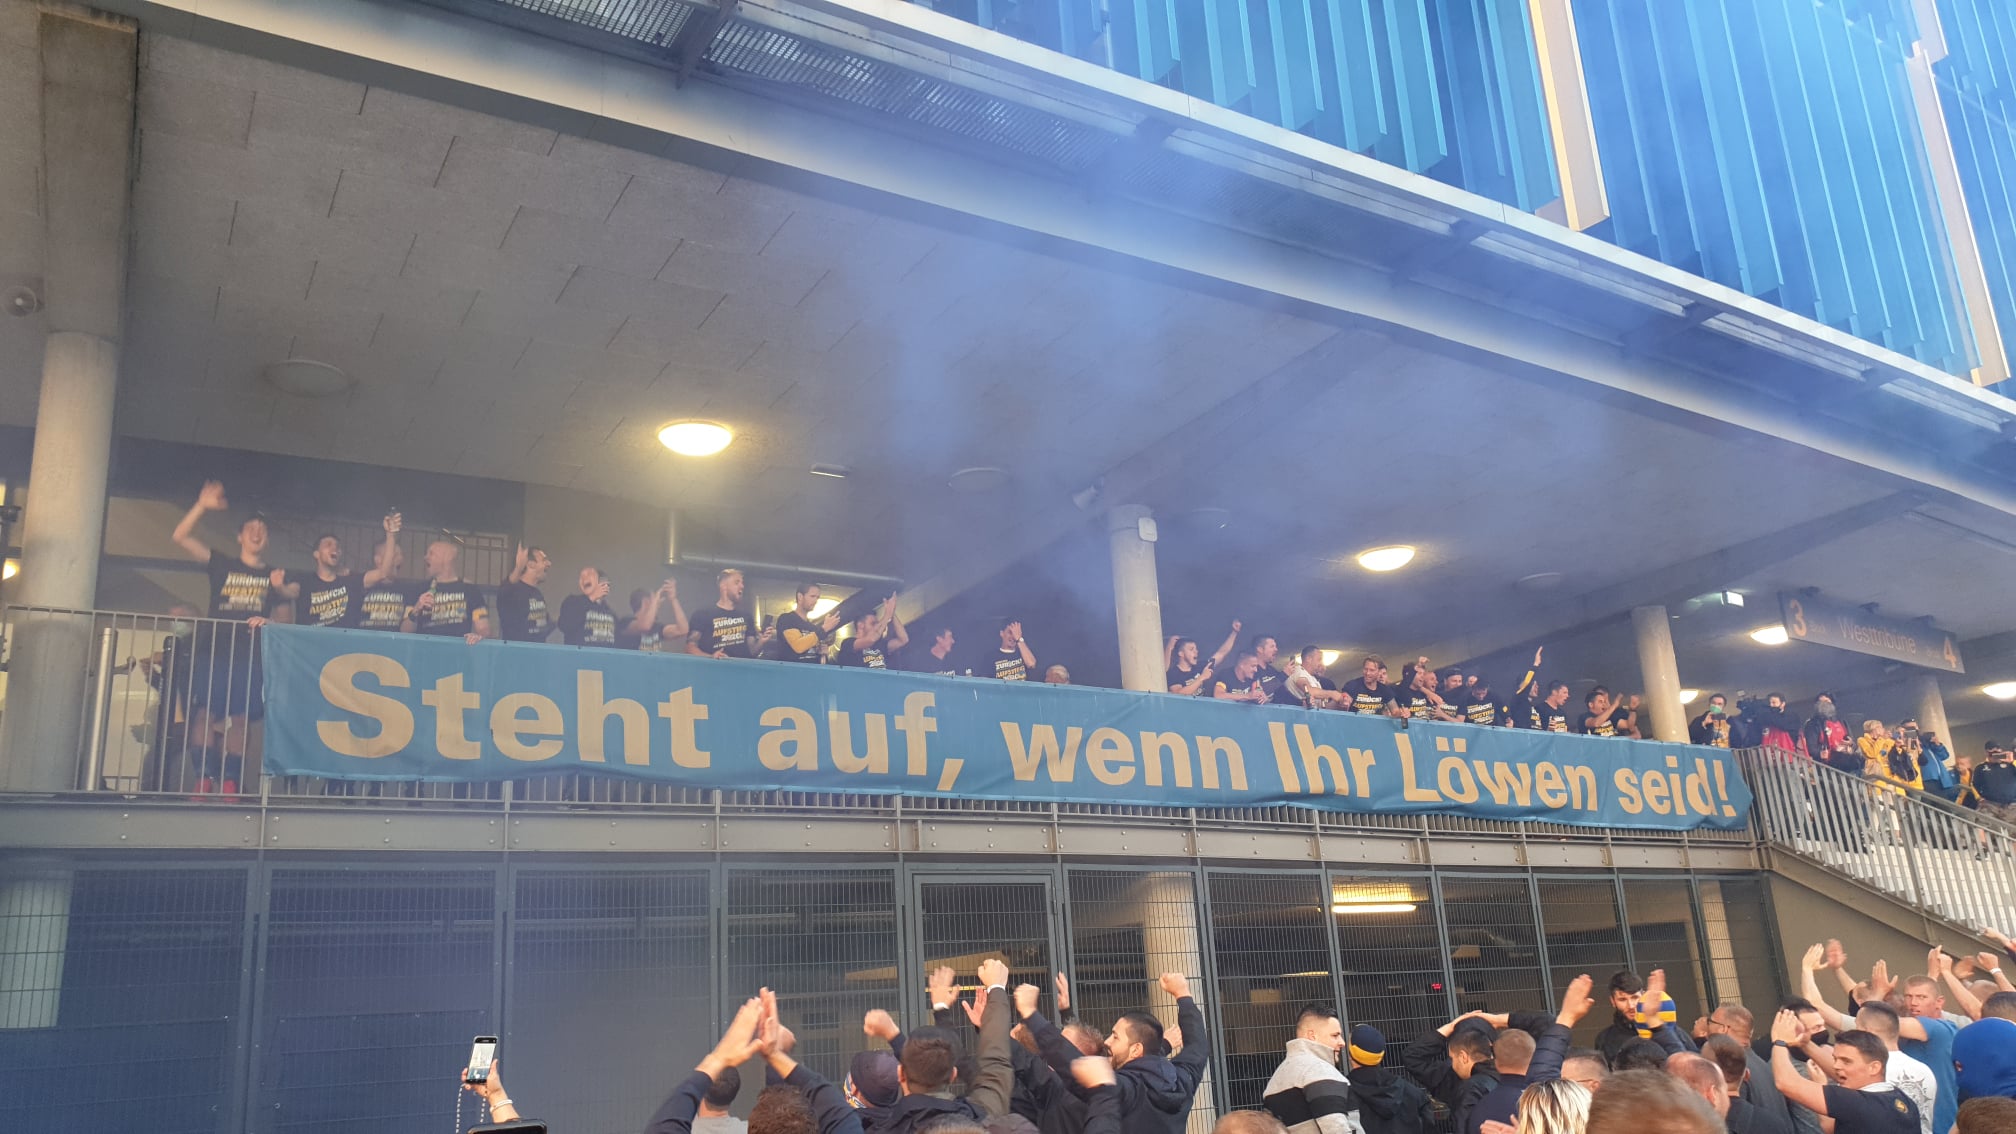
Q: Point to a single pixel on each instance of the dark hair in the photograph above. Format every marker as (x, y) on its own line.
(2002, 1005)
(1243, 655)
(1253, 643)
(1776, 697)
(1871, 1047)
(1146, 1030)
(929, 1059)
(1642, 1055)
(1796, 1005)
(1552, 686)
(1317, 1011)
(1625, 981)
(1006, 623)
(1180, 643)
(1722, 697)
(637, 598)
(727, 1084)
(805, 588)
(1880, 1018)
(1375, 659)
(1473, 1042)
(1307, 650)
(327, 535)
(782, 1109)
(952, 1122)
(1593, 694)
(1728, 1055)
(1649, 1101)
(532, 553)
(1586, 1053)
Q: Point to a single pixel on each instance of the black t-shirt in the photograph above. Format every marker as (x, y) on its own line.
(1523, 711)
(1008, 664)
(1418, 705)
(383, 607)
(649, 642)
(1274, 684)
(457, 605)
(1227, 681)
(239, 592)
(926, 662)
(1884, 1111)
(1365, 699)
(1178, 676)
(332, 602)
(1585, 723)
(853, 653)
(1995, 780)
(1479, 710)
(1552, 719)
(723, 631)
(584, 622)
(521, 613)
(798, 639)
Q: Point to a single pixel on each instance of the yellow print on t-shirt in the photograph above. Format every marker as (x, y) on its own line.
(327, 607)
(244, 593)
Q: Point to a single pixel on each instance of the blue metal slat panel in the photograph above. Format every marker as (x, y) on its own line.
(1416, 101)
(1604, 63)
(1522, 103)
(1651, 133)
(1791, 79)
(1144, 38)
(1754, 68)
(1846, 210)
(1286, 73)
(1348, 60)
(1736, 162)
(1685, 113)
(1216, 41)
(1477, 160)
(1988, 176)
(1895, 323)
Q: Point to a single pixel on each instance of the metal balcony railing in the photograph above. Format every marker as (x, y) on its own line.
(126, 691)
(1945, 861)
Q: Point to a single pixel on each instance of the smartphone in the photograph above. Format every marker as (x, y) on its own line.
(481, 1054)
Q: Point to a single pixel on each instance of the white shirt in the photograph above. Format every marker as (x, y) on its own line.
(1915, 1081)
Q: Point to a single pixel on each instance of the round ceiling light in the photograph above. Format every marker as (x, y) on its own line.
(306, 378)
(1386, 558)
(1770, 636)
(1687, 696)
(1330, 657)
(982, 478)
(695, 438)
(2001, 690)
(1540, 581)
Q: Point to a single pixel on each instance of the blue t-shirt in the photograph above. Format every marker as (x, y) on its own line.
(1936, 1051)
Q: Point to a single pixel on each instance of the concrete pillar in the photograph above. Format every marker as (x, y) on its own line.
(88, 67)
(1137, 601)
(34, 935)
(1931, 707)
(1661, 673)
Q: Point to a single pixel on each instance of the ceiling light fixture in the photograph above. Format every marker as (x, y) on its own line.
(822, 608)
(2000, 690)
(1687, 696)
(695, 438)
(1372, 907)
(12, 568)
(1540, 581)
(1330, 657)
(1386, 558)
(1770, 636)
(837, 472)
(306, 378)
(981, 478)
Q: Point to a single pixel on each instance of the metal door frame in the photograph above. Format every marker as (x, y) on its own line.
(915, 876)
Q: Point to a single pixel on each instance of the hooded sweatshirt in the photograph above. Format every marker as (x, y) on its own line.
(1388, 1102)
(988, 1097)
(1155, 1090)
(1984, 1052)
(1309, 1094)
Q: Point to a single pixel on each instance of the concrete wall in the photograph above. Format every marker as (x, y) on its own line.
(1870, 928)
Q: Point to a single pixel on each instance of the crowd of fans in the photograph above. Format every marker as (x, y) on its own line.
(1894, 1061)
(215, 678)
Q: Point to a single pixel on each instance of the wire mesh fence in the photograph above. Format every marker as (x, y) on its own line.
(305, 996)
(1584, 934)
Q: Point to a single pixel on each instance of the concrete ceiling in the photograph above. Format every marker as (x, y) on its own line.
(524, 304)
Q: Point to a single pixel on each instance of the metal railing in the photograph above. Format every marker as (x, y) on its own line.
(1944, 860)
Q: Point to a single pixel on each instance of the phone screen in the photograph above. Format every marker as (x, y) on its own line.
(481, 1054)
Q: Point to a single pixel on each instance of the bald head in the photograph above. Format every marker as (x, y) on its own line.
(1702, 1077)
(1249, 1122)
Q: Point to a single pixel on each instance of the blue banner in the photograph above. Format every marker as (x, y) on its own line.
(360, 705)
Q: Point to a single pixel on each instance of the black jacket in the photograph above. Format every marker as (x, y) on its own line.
(1501, 1103)
(1057, 1108)
(1612, 1041)
(988, 1094)
(1745, 1118)
(1427, 1060)
(829, 1106)
(1155, 1091)
(1388, 1102)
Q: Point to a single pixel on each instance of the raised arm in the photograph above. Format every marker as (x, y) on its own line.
(381, 564)
(646, 619)
(1962, 995)
(1796, 1088)
(211, 499)
(1551, 1049)
(898, 636)
(1196, 1053)
(994, 1082)
(1809, 987)
(1224, 649)
(737, 1046)
(1652, 1011)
